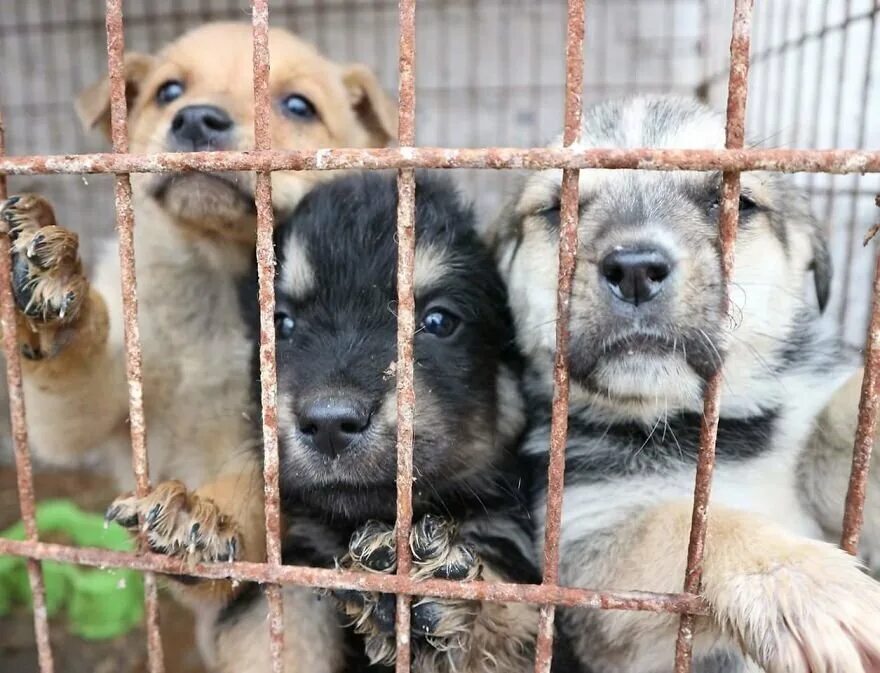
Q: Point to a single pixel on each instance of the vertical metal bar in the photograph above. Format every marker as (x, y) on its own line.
(568, 237)
(266, 279)
(133, 360)
(864, 439)
(406, 249)
(737, 94)
(23, 473)
(860, 142)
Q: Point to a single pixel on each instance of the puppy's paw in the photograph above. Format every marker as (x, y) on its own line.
(817, 612)
(440, 625)
(179, 524)
(48, 280)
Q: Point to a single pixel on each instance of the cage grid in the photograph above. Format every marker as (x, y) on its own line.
(571, 158)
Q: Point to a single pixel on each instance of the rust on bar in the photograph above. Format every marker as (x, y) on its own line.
(133, 360)
(864, 439)
(18, 423)
(336, 579)
(266, 280)
(539, 158)
(568, 241)
(737, 93)
(406, 325)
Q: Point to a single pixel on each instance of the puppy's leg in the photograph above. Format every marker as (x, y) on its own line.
(824, 471)
(450, 635)
(74, 387)
(794, 605)
(237, 640)
(221, 521)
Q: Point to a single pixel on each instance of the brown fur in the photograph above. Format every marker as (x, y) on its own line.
(194, 233)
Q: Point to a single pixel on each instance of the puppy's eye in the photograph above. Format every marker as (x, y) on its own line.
(440, 322)
(746, 205)
(552, 215)
(169, 91)
(299, 107)
(284, 325)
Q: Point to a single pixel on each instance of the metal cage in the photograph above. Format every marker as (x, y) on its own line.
(784, 51)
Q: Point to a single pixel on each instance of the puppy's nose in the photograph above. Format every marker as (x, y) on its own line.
(331, 424)
(635, 275)
(201, 127)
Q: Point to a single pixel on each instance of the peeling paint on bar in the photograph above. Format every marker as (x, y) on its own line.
(568, 237)
(406, 325)
(337, 579)
(266, 274)
(133, 360)
(867, 426)
(737, 92)
(23, 472)
(539, 158)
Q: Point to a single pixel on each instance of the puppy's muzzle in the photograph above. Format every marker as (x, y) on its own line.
(198, 128)
(331, 425)
(635, 275)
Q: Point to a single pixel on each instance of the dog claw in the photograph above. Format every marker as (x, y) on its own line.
(153, 515)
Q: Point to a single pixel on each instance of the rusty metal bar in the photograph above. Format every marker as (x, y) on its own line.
(23, 472)
(737, 94)
(266, 280)
(337, 579)
(568, 242)
(133, 360)
(864, 439)
(777, 160)
(406, 322)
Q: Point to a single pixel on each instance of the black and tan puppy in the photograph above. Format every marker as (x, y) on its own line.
(336, 351)
(647, 332)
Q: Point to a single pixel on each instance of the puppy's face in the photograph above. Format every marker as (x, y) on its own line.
(197, 95)
(647, 328)
(337, 345)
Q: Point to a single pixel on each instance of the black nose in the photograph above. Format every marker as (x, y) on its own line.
(331, 424)
(635, 275)
(201, 127)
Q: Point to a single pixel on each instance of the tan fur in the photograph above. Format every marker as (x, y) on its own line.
(825, 468)
(795, 605)
(190, 244)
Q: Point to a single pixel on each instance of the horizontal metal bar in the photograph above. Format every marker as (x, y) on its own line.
(337, 579)
(780, 160)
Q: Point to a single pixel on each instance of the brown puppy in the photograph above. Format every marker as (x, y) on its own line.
(194, 234)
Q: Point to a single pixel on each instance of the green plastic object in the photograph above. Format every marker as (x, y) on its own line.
(99, 603)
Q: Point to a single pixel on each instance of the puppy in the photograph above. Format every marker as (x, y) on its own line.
(336, 333)
(647, 332)
(195, 236)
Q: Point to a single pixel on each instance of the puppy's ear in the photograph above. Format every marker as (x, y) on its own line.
(375, 110)
(93, 104)
(820, 265)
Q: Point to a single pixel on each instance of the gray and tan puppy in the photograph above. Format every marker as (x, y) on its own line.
(647, 332)
(194, 236)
